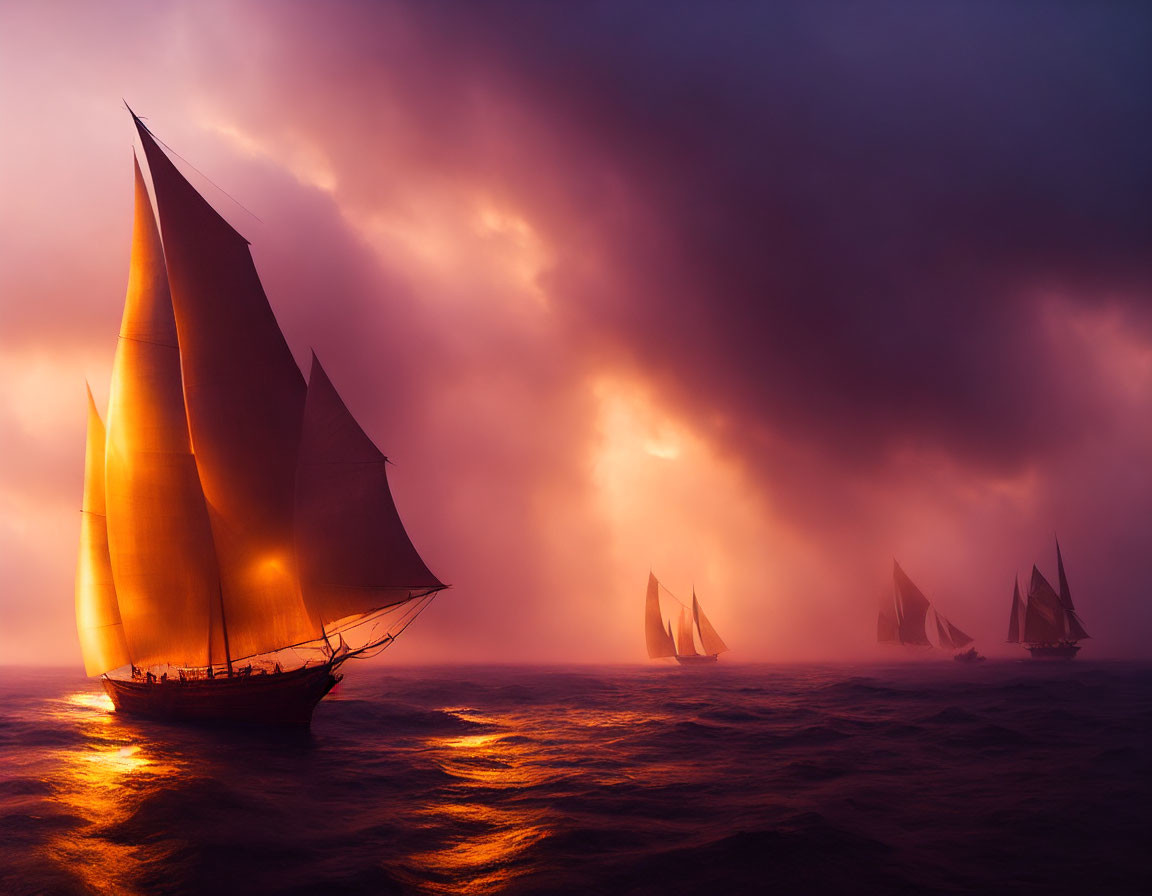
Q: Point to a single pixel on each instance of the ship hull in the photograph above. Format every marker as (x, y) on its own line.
(699, 660)
(1054, 652)
(286, 698)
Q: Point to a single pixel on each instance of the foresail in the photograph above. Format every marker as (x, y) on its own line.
(912, 609)
(1065, 591)
(245, 402)
(709, 639)
(98, 620)
(355, 555)
(658, 640)
(159, 538)
(957, 637)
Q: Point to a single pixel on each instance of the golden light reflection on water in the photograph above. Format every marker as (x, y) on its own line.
(489, 804)
(99, 782)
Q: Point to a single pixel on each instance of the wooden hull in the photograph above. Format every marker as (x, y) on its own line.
(286, 698)
(1054, 652)
(699, 660)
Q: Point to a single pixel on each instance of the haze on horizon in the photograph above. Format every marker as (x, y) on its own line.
(756, 299)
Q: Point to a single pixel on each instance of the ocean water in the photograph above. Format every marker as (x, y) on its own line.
(928, 778)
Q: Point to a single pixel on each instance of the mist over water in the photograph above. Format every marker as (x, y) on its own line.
(1008, 777)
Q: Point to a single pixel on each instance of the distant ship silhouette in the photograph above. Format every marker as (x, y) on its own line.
(903, 619)
(231, 510)
(683, 647)
(1047, 624)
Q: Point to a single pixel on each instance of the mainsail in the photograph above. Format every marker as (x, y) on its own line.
(221, 473)
(160, 540)
(97, 613)
(684, 643)
(1044, 618)
(948, 634)
(1071, 620)
(659, 641)
(244, 396)
(911, 609)
(709, 639)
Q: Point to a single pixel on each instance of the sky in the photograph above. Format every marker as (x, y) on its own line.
(758, 299)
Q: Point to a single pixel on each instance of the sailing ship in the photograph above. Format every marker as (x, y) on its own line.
(236, 518)
(683, 646)
(903, 619)
(1047, 623)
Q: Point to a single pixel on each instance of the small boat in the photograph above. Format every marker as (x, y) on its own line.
(236, 518)
(1047, 623)
(969, 656)
(903, 618)
(660, 641)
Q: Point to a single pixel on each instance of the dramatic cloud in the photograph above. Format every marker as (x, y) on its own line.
(756, 297)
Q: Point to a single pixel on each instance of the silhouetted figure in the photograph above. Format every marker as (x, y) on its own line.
(151, 678)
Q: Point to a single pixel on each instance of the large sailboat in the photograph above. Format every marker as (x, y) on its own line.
(683, 646)
(903, 619)
(239, 541)
(1047, 623)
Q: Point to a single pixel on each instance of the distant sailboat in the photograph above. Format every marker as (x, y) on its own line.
(233, 512)
(1047, 623)
(683, 647)
(903, 619)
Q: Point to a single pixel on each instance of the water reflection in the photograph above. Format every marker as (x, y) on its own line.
(99, 782)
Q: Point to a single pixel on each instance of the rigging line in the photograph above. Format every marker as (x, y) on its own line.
(201, 173)
(674, 597)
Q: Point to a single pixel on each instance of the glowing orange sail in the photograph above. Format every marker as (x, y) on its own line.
(659, 641)
(159, 537)
(97, 613)
(355, 556)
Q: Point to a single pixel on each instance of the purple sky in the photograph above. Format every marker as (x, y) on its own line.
(759, 299)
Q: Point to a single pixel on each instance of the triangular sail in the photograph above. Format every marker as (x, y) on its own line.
(159, 537)
(355, 556)
(1072, 623)
(245, 402)
(957, 637)
(912, 609)
(659, 641)
(1065, 591)
(1044, 617)
(709, 639)
(97, 613)
(1014, 619)
(943, 633)
(684, 643)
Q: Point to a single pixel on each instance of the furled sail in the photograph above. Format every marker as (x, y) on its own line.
(911, 609)
(684, 643)
(159, 537)
(245, 402)
(709, 640)
(355, 556)
(659, 641)
(97, 613)
(1044, 617)
(1014, 619)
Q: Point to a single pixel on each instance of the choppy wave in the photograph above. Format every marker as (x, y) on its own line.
(1005, 778)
